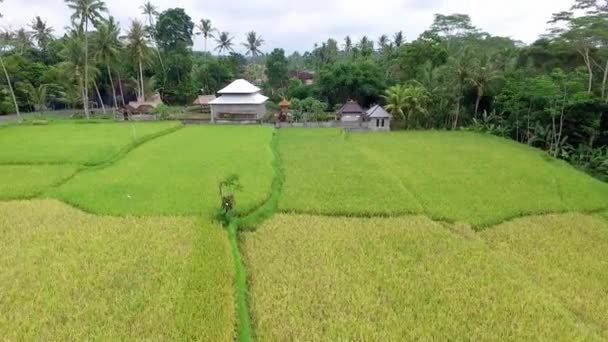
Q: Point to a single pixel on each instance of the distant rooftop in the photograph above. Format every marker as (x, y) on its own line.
(351, 108)
(240, 87)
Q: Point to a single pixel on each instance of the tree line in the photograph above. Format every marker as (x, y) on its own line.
(551, 94)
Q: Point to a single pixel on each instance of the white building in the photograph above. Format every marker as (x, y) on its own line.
(240, 102)
(378, 119)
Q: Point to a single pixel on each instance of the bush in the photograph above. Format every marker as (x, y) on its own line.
(162, 111)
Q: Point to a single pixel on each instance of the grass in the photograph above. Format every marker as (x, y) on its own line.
(67, 275)
(178, 174)
(451, 176)
(565, 254)
(71, 143)
(409, 278)
(326, 174)
(21, 181)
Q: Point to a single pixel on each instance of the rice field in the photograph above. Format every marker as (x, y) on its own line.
(72, 143)
(566, 255)
(67, 275)
(398, 236)
(407, 278)
(26, 181)
(451, 176)
(178, 174)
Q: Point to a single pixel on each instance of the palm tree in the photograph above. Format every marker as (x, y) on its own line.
(395, 101)
(22, 40)
(383, 41)
(224, 42)
(482, 74)
(253, 44)
(398, 39)
(206, 29)
(42, 33)
(85, 12)
(107, 48)
(137, 46)
(406, 102)
(148, 9)
(151, 11)
(3, 43)
(348, 44)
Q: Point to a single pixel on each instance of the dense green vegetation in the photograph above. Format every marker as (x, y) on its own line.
(178, 174)
(316, 278)
(67, 275)
(73, 143)
(454, 176)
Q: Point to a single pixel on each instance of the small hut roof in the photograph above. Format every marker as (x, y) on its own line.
(378, 112)
(203, 100)
(284, 103)
(351, 108)
(240, 87)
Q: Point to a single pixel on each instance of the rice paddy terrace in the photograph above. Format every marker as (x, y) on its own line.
(109, 231)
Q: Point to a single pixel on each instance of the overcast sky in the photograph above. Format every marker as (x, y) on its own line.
(297, 25)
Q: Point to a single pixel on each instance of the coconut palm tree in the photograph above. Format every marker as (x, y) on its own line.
(86, 12)
(482, 74)
(4, 41)
(107, 48)
(224, 42)
(22, 41)
(137, 46)
(348, 44)
(398, 39)
(41, 33)
(206, 29)
(149, 10)
(253, 44)
(406, 101)
(383, 42)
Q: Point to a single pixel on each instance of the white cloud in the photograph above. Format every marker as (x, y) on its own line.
(297, 25)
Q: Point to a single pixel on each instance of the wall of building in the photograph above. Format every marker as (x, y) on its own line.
(375, 125)
(255, 112)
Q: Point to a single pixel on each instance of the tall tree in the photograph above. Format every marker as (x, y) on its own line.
(383, 42)
(3, 44)
(137, 46)
(86, 12)
(482, 74)
(253, 44)
(149, 10)
(398, 39)
(206, 29)
(107, 48)
(224, 42)
(348, 45)
(276, 69)
(42, 33)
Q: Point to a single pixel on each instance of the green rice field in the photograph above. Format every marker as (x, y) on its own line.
(109, 231)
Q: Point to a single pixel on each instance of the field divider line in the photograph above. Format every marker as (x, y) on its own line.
(247, 223)
(132, 146)
(489, 225)
(116, 158)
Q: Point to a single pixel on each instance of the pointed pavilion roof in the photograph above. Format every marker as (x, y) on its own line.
(240, 86)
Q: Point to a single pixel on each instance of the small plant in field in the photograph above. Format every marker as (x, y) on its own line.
(228, 189)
